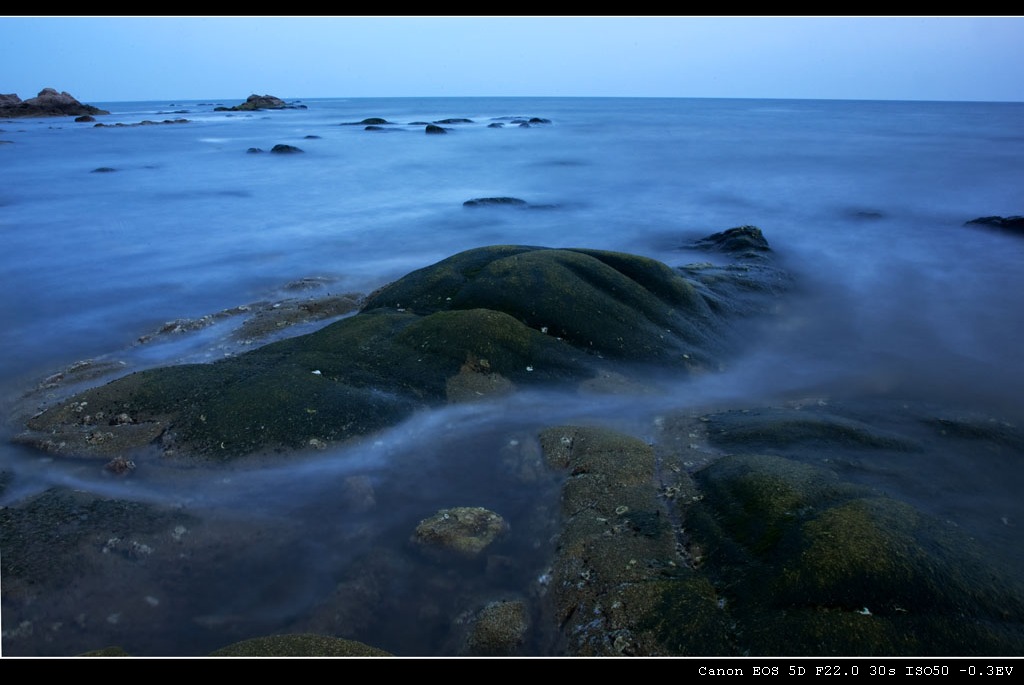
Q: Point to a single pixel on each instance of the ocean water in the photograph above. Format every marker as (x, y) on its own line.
(864, 203)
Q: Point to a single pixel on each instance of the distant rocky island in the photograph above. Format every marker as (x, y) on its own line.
(49, 103)
(257, 102)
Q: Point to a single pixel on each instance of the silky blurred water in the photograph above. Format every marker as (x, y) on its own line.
(863, 202)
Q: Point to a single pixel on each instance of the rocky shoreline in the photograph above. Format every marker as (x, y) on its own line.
(726, 537)
(480, 323)
(730, 531)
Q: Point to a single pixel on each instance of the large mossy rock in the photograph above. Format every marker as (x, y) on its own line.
(480, 323)
(809, 565)
(759, 555)
(608, 303)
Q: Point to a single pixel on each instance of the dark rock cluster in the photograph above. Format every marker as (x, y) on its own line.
(49, 103)
(1014, 224)
(144, 122)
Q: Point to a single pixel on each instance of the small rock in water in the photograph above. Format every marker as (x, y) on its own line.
(482, 201)
(464, 530)
(499, 629)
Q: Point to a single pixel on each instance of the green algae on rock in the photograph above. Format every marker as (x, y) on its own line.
(52, 537)
(607, 567)
(304, 644)
(607, 303)
(465, 531)
(481, 323)
(759, 555)
(810, 565)
(498, 629)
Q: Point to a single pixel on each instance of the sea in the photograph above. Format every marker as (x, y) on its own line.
(110, 232)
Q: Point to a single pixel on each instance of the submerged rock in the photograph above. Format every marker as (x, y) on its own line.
(282, 149)
(144, 122)
(465, 531)
(499, 629)
(370, 121)
(480, 323)
(743, 242)
(503, 201)
(779, 429)
(431, 129)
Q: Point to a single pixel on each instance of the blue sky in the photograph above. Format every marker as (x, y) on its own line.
(106, 59)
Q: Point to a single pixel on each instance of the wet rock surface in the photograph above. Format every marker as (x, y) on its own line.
(812, 565)
(683, 544)
(617, 544)
(466, 531)
(744, 242)
(769, 529)
(499, 629)
(481, 323)
(753, 554)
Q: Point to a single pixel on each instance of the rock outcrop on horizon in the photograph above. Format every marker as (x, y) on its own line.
(257, 102)
(49, 103)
